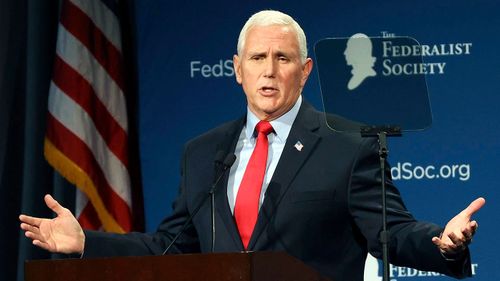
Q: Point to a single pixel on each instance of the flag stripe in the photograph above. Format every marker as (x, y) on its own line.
(75, 119)
(75, 86)
(75, 149)
(79, 58)
(81, 26)
(88, 218)
(104, 16)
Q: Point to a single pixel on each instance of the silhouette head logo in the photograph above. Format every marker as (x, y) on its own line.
(358, 54)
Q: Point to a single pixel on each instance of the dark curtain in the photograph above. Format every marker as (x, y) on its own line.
(28, 30)
(12, 61)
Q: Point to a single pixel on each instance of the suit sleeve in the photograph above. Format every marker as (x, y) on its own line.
(410, 240)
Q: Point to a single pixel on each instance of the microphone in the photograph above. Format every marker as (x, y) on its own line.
(226, 164)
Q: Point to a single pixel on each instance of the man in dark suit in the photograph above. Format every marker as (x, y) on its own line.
(296, 185)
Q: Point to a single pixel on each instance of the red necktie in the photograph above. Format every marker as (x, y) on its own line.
(246, 207)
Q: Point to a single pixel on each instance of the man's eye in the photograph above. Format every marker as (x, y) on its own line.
(257, 58)
(283, 59)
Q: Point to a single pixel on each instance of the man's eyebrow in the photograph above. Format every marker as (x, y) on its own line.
(257, 53)
(277, 53)
(282, 53)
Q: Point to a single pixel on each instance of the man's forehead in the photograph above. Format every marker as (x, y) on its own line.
(280, 36)
(274, 30)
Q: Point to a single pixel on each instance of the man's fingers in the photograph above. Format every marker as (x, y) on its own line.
(474, 206)
(436, 240)
(454, 238)
(468, 235)
(29, 227)
(30, 220)
(53, 204)
(42, 245)
(473, 225)
(469, 231)
(458, 242)
(443, 247)
(34, 236)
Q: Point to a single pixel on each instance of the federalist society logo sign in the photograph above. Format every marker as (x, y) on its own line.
(381, 80)
(397, 57)
(441, 50)
(386, 56)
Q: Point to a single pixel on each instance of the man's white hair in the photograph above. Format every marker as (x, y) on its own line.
(270, 17)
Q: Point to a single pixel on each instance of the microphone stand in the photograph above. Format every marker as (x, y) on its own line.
(184, 226)
(228, 162)
(212, 197)
(382, 132)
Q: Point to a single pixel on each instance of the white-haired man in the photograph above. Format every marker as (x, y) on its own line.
(296, 186)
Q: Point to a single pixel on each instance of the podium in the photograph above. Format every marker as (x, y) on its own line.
(252, 266)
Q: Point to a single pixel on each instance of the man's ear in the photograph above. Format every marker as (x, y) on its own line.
(237, 68)
(306, 70)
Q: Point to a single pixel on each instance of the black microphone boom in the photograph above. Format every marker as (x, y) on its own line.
(226, 164)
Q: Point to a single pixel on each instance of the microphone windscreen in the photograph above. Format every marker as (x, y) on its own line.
(229, 160)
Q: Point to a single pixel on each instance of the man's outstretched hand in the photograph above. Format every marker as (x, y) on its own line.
(62, 234)
(459, 230)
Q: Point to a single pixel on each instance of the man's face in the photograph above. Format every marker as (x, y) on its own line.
(270, 70)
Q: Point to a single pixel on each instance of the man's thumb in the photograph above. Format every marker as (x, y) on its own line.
(474, 206)
(53, 204)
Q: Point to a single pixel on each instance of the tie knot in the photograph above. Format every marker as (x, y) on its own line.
(264, 127)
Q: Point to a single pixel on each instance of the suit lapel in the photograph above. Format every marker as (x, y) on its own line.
(228, 145)
(291, 161)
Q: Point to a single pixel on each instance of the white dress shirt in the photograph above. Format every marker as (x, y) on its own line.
(246, 144)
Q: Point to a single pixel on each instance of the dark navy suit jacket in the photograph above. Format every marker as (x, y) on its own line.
(322, 206)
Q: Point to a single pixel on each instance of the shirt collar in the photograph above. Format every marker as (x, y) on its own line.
(281, 125)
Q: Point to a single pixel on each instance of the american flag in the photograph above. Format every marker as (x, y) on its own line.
(87, 130)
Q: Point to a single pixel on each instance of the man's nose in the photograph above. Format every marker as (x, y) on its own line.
(270, 68)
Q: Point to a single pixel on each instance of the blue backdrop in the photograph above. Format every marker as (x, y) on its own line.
(187, 86)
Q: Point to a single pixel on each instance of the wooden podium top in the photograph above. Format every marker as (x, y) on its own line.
(258, 266)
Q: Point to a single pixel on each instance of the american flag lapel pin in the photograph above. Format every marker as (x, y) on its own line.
(298, 145)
